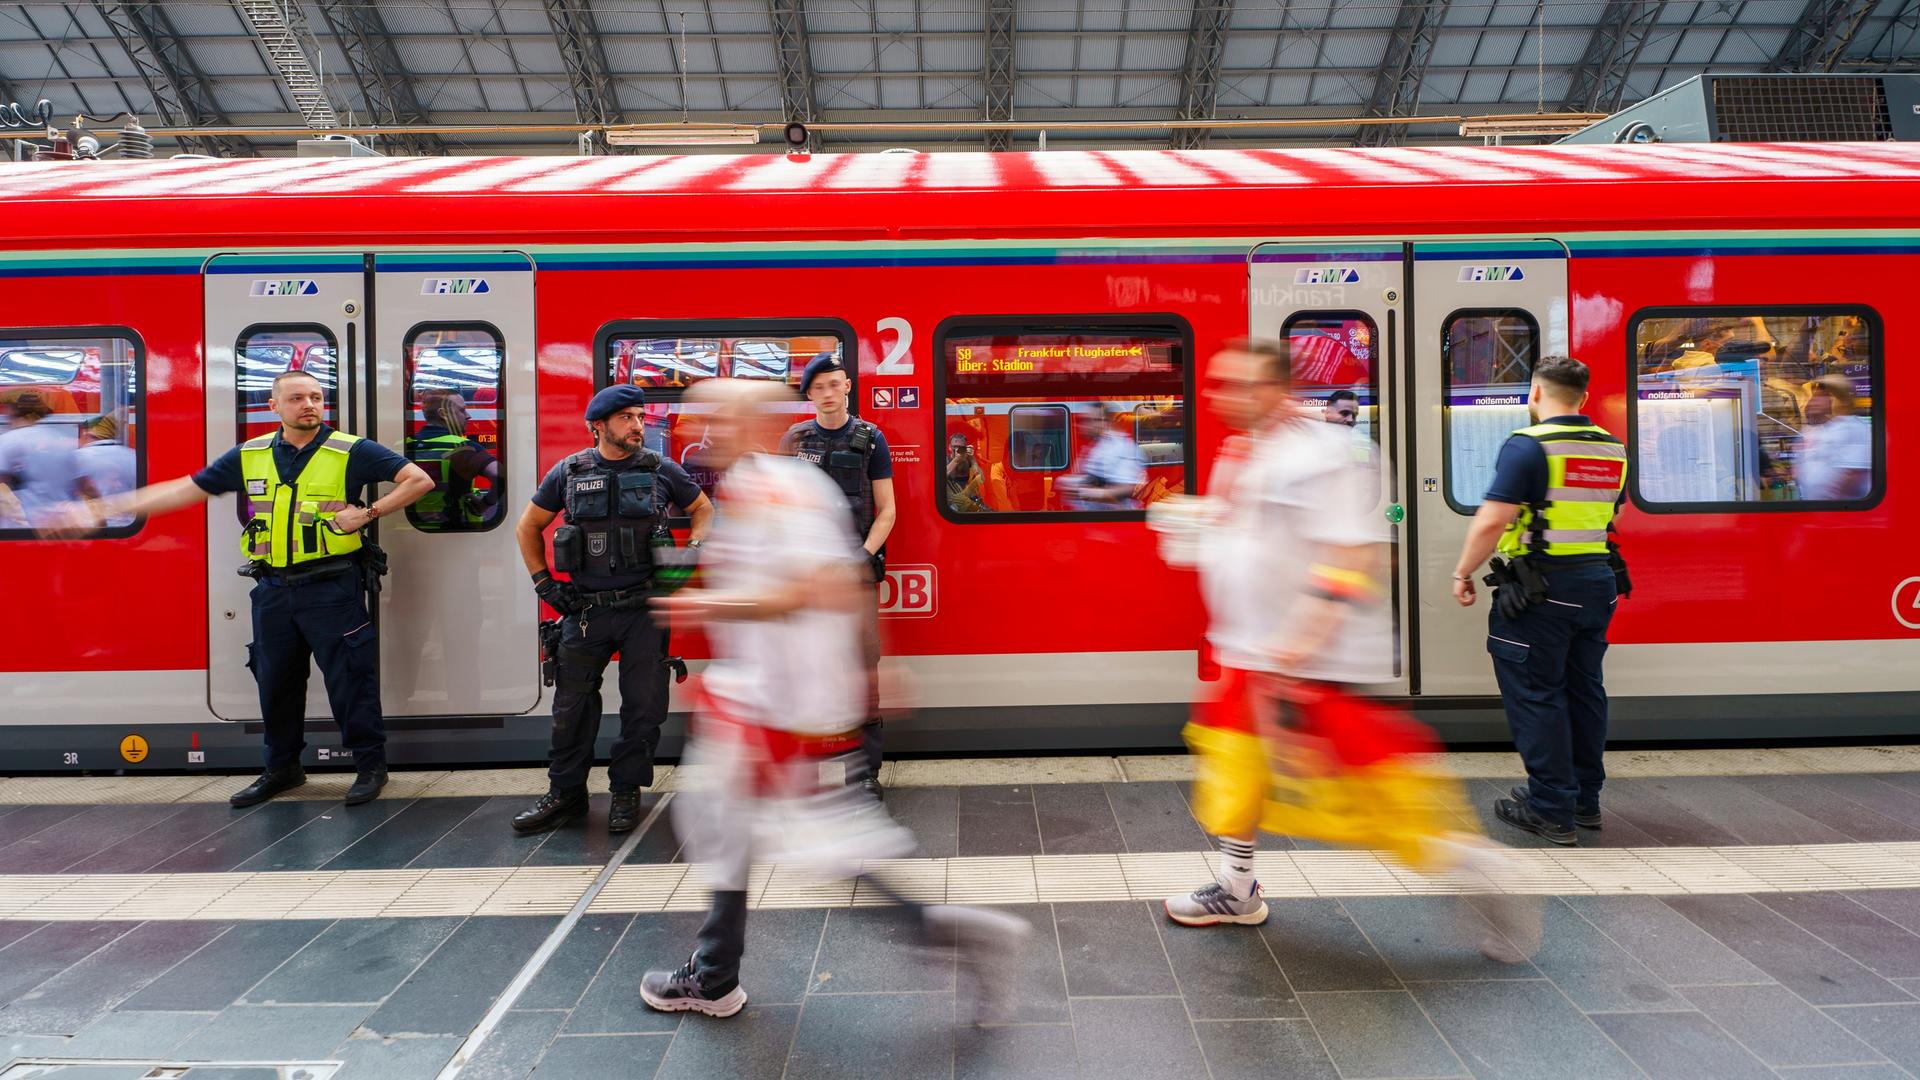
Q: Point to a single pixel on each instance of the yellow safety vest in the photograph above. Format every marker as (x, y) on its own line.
(289, 525)
(1586, 472)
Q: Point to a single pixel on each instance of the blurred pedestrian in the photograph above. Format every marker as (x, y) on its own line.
(37, 469)
(105, 465)
(785, 694)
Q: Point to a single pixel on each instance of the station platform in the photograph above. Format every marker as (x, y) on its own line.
(1743, 913)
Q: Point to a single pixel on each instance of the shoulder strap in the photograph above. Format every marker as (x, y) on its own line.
(258, 442)
(579, 461)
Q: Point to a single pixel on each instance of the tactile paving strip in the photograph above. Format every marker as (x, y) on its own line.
(1623, 764)
(1056, 879)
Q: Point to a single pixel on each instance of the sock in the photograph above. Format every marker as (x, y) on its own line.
(1236, 867)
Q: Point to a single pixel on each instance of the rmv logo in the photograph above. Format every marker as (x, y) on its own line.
(294, 287)
(1491, 273)
(1326, 275)
(908, 593)
(454, 286)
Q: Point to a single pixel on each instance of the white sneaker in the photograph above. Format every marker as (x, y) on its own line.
(1212, 904)
(989, 944)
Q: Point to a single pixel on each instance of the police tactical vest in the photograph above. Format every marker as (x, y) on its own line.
(290, 521)
(448, 501)
(844, 453)
(616, 512)
(1586, 472)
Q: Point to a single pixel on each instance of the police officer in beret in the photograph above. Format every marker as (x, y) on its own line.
(855, 455)
(617, 497)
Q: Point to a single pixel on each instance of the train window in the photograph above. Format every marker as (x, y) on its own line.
(70, 424)
(1756, 409)
(1332, 356)
(455, 386)
(1042, 417)
(262, 352)
(665, 358)
(1489, 365)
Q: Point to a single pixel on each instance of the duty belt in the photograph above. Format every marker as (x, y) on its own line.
(322, 572)
(616, 598)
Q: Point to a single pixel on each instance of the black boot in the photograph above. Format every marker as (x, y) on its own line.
(1586, 819)
(1522, 816)
(554, 809)
(271, 783)
(624, 813)
(366, 787)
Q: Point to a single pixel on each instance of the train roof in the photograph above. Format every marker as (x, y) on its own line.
(900, 193)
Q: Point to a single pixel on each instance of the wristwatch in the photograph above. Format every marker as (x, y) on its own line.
(694, 545)
(373, 510)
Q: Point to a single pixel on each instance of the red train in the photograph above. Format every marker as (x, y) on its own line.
(1036, 308)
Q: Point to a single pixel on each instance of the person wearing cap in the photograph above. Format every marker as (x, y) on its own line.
(105, 465)
(36, 462)
(306, 552)
(617, 496)
(855, 455)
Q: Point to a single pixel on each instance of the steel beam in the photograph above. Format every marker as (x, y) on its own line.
(1599, 82)
(588, 75)
(385, 85)
(280, 29)
(795, 62)
(1823, 33)
(1398, 79)
(182, 93)
(1200, 75)
(998, 76)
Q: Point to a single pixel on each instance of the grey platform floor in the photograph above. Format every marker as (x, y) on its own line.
(1812, 985)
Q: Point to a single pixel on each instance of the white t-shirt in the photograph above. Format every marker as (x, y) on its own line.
(40, 460)
(1115, 459)
(111, 468)
(781, 520)
(1287, 493)
(1836, 459)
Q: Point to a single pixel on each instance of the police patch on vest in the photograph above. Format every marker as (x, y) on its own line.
(1595, 472)
(597, 544)
(256, 487)
(590, 483)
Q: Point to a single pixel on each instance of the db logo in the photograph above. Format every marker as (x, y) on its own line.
(1906, 603)
(908, 593)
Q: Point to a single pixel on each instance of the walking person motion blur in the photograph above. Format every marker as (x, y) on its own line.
(854, 453)
(1550, 511)
(786, 694)
(313, 570)
(616, 496)
(37, 466)
(1293, 568)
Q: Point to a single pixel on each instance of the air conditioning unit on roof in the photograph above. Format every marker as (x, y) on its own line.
(1769, 108)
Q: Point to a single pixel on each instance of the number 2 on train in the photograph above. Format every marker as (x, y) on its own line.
(899, 358)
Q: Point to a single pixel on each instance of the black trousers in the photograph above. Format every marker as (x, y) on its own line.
(723, 936)
(1548, 662)
(641, 643)
(325, 621)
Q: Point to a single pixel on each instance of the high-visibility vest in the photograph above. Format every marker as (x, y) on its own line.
(447, 502)
(1586, 472)
(289, 524)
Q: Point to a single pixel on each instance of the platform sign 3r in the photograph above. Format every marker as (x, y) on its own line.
(909, 592)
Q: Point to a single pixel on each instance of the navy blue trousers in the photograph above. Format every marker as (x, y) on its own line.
(576, 697)
(326, 621)
(1548, 663)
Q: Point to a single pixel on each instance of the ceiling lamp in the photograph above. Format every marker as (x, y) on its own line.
(682, 135)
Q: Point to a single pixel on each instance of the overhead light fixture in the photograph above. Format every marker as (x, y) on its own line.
(682, 135)
(1523, 125)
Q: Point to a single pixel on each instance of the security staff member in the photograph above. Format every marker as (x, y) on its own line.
(1556, 490)
(616, 497)
(303, 548)
(855, 455)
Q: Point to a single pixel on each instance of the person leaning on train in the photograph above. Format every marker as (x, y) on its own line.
(616, 496)
(309, 561)
(1556, 490)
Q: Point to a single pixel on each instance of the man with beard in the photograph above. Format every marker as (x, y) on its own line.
(304, 550)
(616, 495)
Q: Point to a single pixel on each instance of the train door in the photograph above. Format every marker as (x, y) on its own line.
(1481, 314)
(1341, 309)
(432, 356)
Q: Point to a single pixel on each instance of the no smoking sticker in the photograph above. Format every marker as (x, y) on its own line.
(134, 749)
(883, 397)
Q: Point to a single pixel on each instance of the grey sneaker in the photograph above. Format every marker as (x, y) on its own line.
(1213, 904)
(680, 991)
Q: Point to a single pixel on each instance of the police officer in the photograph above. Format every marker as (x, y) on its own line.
(304, 550)
(441, 448)
(1556, 490)
(616, 497)
(855, 455)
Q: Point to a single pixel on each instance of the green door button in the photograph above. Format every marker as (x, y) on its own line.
(1396, 513)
